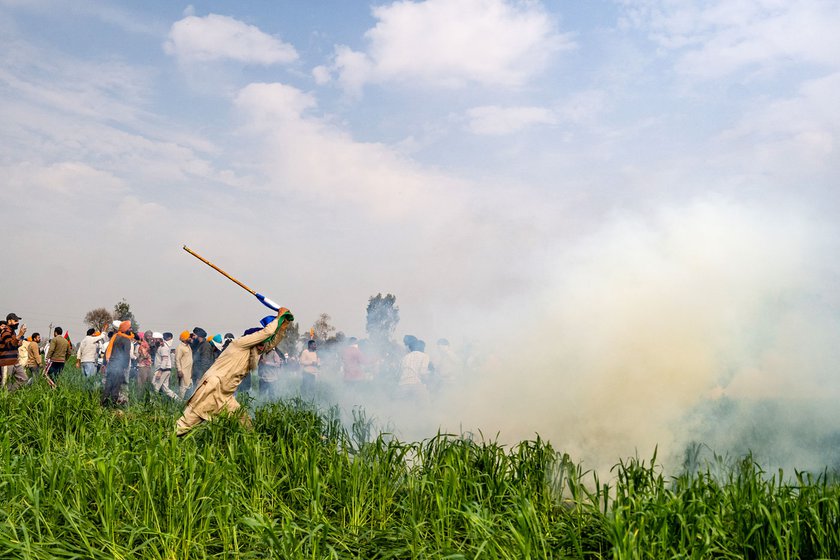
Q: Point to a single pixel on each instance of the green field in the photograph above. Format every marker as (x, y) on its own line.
(78, 481)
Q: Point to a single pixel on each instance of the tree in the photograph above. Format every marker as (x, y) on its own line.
(322, 328)
(289, 344)
(98, 318)
(382, 317)
(122, 312)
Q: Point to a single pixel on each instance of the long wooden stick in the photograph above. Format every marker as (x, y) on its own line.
(219, 270)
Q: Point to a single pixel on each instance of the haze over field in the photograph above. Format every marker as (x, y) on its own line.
(628, 208)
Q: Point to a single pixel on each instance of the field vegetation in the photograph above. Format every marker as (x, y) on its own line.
(78, 481)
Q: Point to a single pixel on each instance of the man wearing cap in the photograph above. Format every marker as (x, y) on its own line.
(215, 392)
(184, 363)
(202, 354)
(58, 353)
(10, 342)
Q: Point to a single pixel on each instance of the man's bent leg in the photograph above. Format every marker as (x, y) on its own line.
(187, 421)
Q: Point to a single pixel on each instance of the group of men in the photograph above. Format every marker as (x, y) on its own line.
(148, 357)
(21, 357)
(217, 364)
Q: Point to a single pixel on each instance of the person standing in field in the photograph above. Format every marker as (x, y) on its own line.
(184, 363)
(34, 360)
(87, 351)
(144, 362)
(310, 365)
(352, 361)
(117, 362)
(215, 392)
(270, 367)
(10, 343)
(17, 372)
(202, 354)
(163, 373)
(414, 368)
(444, 365)
(58, 353)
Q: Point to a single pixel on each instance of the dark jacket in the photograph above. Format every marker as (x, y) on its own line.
(203, 358)
(9, 344)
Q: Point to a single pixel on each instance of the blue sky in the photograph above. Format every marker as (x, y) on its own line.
(490, 162)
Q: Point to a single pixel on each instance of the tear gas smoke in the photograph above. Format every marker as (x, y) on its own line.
(714, 322)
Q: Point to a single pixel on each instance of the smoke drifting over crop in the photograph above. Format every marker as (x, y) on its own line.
(713, 322)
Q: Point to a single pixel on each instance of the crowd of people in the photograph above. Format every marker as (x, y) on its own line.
(220, 364)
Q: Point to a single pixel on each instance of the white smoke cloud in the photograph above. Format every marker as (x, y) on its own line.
(655, 315)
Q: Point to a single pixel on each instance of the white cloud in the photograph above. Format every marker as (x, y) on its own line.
(62, 178)
(321, 74)
(497, 121)
(452, 43)
(309, 154)
(216, 37)
(716, 39)
(577, 108)
(792, 139)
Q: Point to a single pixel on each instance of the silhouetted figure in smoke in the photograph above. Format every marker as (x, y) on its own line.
(444, 365)
(352, 363)
(310, 365)
(270, 368)
(414, 370)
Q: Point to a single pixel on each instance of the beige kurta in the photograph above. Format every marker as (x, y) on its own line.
(218, 385)
(183, 363)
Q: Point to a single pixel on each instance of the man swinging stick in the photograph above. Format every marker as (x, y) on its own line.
(216, 390)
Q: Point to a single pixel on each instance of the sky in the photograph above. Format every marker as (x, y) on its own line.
(606, 197)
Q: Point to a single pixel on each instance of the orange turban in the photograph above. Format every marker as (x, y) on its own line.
(125, 326)
(184, 336)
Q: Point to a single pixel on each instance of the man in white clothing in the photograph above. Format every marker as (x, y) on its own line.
(163, 373)
(88, 351)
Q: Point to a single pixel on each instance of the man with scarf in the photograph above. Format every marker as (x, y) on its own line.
(215, 392)
(117, 362)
